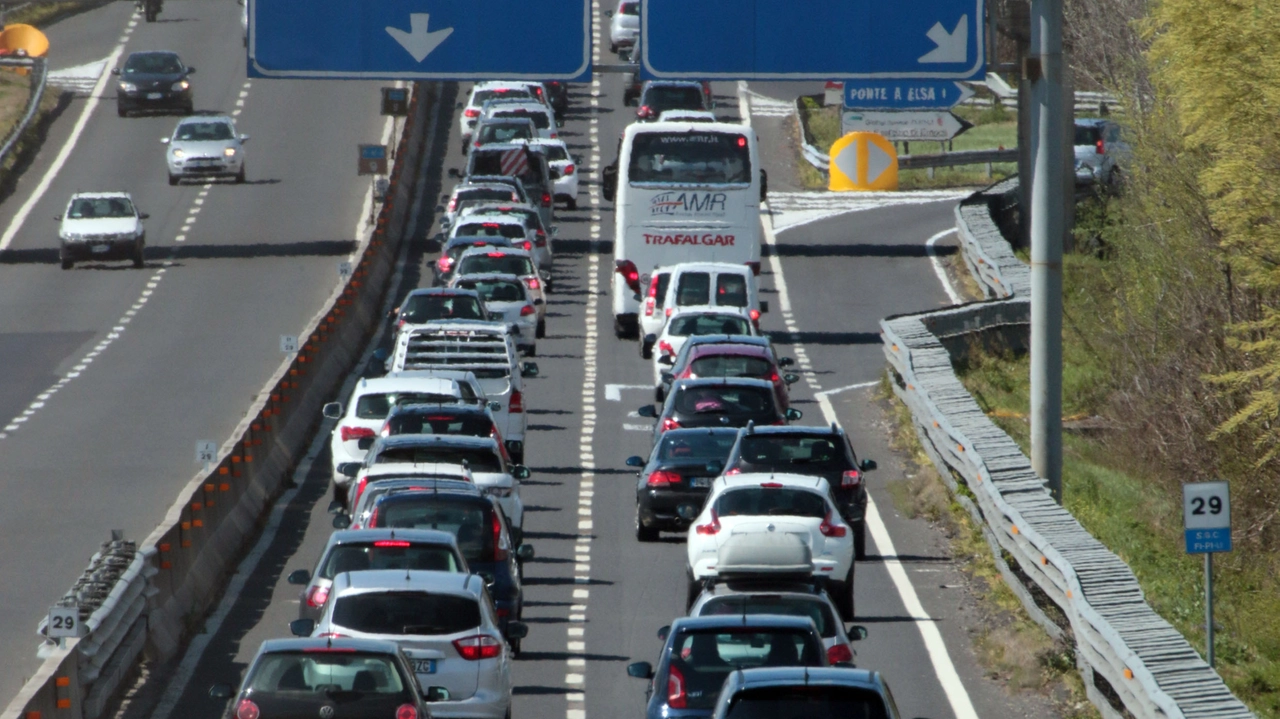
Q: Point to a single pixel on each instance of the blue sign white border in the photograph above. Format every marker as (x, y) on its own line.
(256, 70)
(970, 74)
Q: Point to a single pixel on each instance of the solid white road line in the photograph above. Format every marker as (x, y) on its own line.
(931, 247)
(943, 667)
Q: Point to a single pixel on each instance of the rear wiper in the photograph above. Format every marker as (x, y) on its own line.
(421, 629)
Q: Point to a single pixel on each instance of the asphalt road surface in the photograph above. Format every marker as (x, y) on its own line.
(146, 362)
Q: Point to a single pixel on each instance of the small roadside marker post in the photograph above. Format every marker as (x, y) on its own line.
(1206, 517)
(206, 453)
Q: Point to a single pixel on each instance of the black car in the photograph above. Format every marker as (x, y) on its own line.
(483, 537)
(659, 95)
(677, 474)
(558, 94)
(153, 81)
(816, 451)
(304, 677)
(466, 420)
(718, 402)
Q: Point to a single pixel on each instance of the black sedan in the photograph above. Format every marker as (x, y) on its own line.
(678, 475)
(718, 402)
(153, 81)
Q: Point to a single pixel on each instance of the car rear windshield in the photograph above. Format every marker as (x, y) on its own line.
(630, 8)
(810, 702)
(731, 366)
(508, 230)
(771, 502)
(350, 671)
(89, 207)
(541, 120)
(469, 424)
(455, 250)
(791, 606)
(496, 290)
(204, 131)
(504, 132)
(466, 518)
(696, 445)
(724, 400)
(708, 323)
(406, 613)
(555, 153)
(388, 554)
(731, 290)
(482, 96)
(674, 97)
(705, 658)
(803, 454)
(491, 194)
(480, 459)
(419, 309)
(1088, 135)
(376, 405)
(497, 263)
(152, 64)
(698, 158)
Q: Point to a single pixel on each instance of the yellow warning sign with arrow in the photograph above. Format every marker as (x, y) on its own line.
(863, 161)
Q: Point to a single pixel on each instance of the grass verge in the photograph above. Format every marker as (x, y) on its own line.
(14, 91)
(43, 14)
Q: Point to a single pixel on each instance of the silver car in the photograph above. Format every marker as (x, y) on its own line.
(205, 146)
(506, 299)
(446, 625)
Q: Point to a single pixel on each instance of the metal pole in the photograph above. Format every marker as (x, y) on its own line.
(1044, 69)
(1208, 607)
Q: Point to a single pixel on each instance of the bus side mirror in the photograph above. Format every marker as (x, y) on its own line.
(764, 185)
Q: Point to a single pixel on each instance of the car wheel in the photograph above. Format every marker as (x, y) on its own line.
(66, 264)
(340, 494)
(860, 542)
(541, 331)
(693, 589)
(173, 179)
(515, 652)
(658, 394)
(844, 597)
(572, 203)
(138, 257)
(531, 351)
(517, 457)
(646, 350)
(188, 109)
(613, 48)
(463, 147)
(121, 112)
(643, 533)
(240, 175)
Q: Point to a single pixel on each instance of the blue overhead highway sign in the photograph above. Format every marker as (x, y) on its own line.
(904, 94)
(420, 39)
(786, 40)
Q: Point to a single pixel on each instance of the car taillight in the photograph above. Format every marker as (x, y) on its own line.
(569, 169)
(373, 518)
(330, 635)
(669, 423)
(502, 613)
(493, 254)
(444, 263)
(532, 283)
(731, 472)
(471, 112)
(649, 307)
(453, 204)
(1100, 146)
(517, 402)
(754, 315)
(839, 653)
(406, 711)
(527, 310)
(353, 433)
(676, 698)
(831, 530)
(546, 199)
(710, 528)
(774, 378)
(645, 111)
(317, 597)
(554, 136)
(394, 543)
(481, 646)
(755, 268)
(665, 348)
(246, 709)
(629, 273)
(360, 485)
(851, 478)
(500, 549)
(526, 246)
(540, 239)
(663, 478)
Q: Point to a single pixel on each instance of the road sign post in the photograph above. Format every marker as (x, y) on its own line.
(1206, 518)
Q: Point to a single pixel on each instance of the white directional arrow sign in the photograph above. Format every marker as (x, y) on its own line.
(951, 46)
(913, 125)
(418, 41)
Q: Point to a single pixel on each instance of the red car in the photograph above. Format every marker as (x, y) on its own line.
(732, 360)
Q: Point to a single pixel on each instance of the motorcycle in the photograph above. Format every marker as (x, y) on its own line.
(149, 8)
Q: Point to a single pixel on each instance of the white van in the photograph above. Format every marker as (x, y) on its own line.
(684, 192)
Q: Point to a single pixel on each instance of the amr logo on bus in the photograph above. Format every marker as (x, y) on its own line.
(676, 204)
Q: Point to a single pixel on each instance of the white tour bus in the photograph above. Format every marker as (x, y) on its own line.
(683, 192)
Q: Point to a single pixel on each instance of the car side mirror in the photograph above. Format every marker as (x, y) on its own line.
(785, 361)
(667, 360)
(144, 215)
(663, 631)
(517, 630)
(608, 14)
(440, 209)
(764, 306)
(244, 139)
(867, 465)
(514, 446)
(364, 443)
(191, 71)
(528, 369)
(635, 461)
(520, 471)
(341, 521)
(335, 507)
(332, 410)
(381, 354)
(764, 185)
(115, 71)
(857, 632)
(438, 694)
(488, 578)
(300, 577)
(555, 231)
(164, 141)
(220, 691)
(648, 411)
(794, 414)
(459, 106)
(539, 301)
(302, 627)
(667, 376)
(495, 406)
(453, 172)
(524, 552)
(58, 217)
(640, 670)
(790, 378)
(349, 469)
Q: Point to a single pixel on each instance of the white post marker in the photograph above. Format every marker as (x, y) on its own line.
(288, 344)
(1206, 516)
(206, 453)
(344, 269)
(64, 623)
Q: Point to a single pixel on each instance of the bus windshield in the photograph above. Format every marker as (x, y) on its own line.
(694, 158)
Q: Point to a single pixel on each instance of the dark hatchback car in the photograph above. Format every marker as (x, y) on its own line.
(815, 451)
(678, 472)
(458, 419)
(153, 81)
(718, 402)
(701, 652)
(349, 677)
(482, 533)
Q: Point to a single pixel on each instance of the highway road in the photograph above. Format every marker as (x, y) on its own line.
(594, 596)
(111, 374)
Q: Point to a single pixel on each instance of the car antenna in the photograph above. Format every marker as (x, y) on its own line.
(328, 642)
(806, 676)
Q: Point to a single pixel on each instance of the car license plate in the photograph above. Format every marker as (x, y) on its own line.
(701, 482)
(423, 666)
(154, 96)
(99, 249)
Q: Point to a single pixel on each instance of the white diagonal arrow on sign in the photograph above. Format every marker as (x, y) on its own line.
(952, 46)
(418, 41)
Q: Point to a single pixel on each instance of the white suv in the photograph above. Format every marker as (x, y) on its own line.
(624, 25)
(101, 226)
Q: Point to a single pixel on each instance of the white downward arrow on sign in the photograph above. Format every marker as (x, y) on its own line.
(952, 46)
(418, 41)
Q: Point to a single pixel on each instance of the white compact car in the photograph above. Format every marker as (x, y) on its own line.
(543, 117)
(480, 94)
(205, 146)
(564, 171)
(745, 509)
(507, 261)
(507, 299)
(445, 624)
(624, 25)
(692, 321)
(101, 226)
(543, 252)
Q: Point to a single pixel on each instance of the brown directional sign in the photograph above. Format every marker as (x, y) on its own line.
(373, 160)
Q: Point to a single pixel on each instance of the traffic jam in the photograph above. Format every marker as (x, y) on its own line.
(414, 606)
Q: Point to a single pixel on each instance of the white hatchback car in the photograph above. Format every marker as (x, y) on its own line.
(480, 94)
(544, 119)
(444, 622)
(101, 226)
(624, 25)
(689, 322)
(757, 509)
(205, 146)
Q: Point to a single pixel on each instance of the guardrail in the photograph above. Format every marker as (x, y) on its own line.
(1133, 662)
(179, 569)
(39, 67)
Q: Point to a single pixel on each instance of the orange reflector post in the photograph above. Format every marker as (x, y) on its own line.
(62, 682)
(1128, 673)
(166, 565)
(64, 703)
(225, 487)
(165, 546)
(197, 522)
(209, 487)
